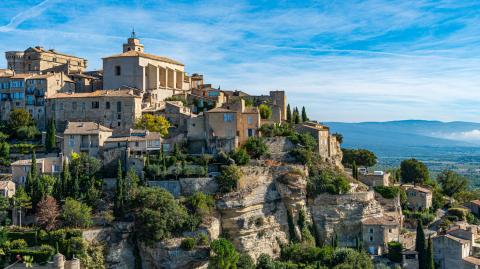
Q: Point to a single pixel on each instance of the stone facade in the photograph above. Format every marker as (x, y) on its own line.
(39, 60)
(373, 180)
(47, 165)
(87, 137)
(7, 188)
(419, 198)
(378, 231)
(456, 248)
(116, 109)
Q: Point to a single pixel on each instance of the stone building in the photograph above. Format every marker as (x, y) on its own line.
(7, 188)
(378, 231)
(29, 91)
(328, 146)
(419, 198)
(115, 109)
(457, 248)
(223, 128)
(87, 137)
(39, 60)
(205, 96)
(47, 165)
(377, 178)
(157, 77)
(276, 100)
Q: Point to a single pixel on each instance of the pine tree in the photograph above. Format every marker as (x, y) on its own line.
(50, 140)
(304, 115)
(289, 114)
(420, 245)
(429, 263)
(119, 193)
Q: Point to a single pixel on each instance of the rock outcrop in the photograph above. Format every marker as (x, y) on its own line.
(168, 255)
(255, 217)
(342, 215)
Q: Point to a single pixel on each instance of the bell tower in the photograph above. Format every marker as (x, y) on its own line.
(133, 43)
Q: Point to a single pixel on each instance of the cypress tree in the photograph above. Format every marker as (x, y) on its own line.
(33, 166)
(420, 245)
(50, 140)
(28, 184)
(76, 185)
(66, 179)
(119, 193)
(354, 170)
(304, 115)
(296, 116)
(429, 263)
(289, 114)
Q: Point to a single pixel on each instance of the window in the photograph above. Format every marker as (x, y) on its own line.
(61, 106)
(107, 105)
(71, 141)
(83, 106)
(371, 238)
(74, 105)
(389, 230)
(250, 132)
(119, 106)
(227, 117)
(136, 144)
(371, 230)
(95, 105)
(250, 120)
(118, 70)
(119, 116)
(118, 124)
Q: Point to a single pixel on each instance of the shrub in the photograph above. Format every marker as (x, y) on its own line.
(39, 256)
(256, 147)
(228, 178)
(302, 155)
(188, 243)
(202, 239)
(395, 251)
(18, 244)
(327, 180)
(200, 203)
(245, 262)
(29, 236)
(240, 156)
(460, 213)
(76, 214)
(223, 255)
(47, 248)
(305, 140)
(388, 192)
(265, 111)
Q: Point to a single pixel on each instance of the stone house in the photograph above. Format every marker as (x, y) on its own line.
(7, 188)
(41, 61)
(47, 165)
(377, 178)
(157, 77)
(177, 114)
(378, 231)
(206, 96)
(419, 198)
(115, 109)
(457, 248)
(474, 207)
(328, 145)
(87, 137)
(276, 100)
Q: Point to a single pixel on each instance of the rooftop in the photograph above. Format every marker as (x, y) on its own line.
(4, 184)
(51, 51)
(98, 93)
(220, 110)
(85, 128)
(133, 53)
(472, 260)
(421, 189)
(29, 161)
(385, 220)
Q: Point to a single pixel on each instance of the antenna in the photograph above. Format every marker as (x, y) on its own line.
(133, 32)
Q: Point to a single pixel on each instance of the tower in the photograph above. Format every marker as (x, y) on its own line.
(133, 43)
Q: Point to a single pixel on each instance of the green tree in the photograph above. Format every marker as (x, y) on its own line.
(224, 255)
(245, 262)
(153, 123)
(256, 147)
(228, 178)
(76, 214)
(429, 263)
(452, 182)
(131, 183)
(289, 114)
(296, 116)
(265, 111)
(5, 150)
(304, 114)
(50, 139)
(19, 118)
(23, 201)
(395, 251)
(119, 204)
(420, 245)
(66, 180)
(339, 137)
(412, 170)
(158, 215)
(361, 157)
(33, 167)
(240, 156)
(354, 170)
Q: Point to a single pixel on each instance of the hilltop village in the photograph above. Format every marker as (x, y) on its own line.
(143, 165)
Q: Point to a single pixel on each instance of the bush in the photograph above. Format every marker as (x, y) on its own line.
(200, 204)
(18, 244)
(240, 156)
(256, 147)
(304, 140)
(202, 239)
(265, 111)
(47, 248)
(188, 243)
(29, 236)
(39, 256)
(302, 155)
(460, 213)
(395, 251)
(76, 214)
(245, 262)
(327, 180)
(228, 178)
(388, 192)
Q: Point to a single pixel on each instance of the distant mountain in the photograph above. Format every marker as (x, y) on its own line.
(400, 138)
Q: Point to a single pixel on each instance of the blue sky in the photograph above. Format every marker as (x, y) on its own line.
(344, 60)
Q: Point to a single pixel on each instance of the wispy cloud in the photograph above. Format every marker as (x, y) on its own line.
(343, 60)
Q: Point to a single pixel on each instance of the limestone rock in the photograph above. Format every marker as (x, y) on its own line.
(168, 255)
